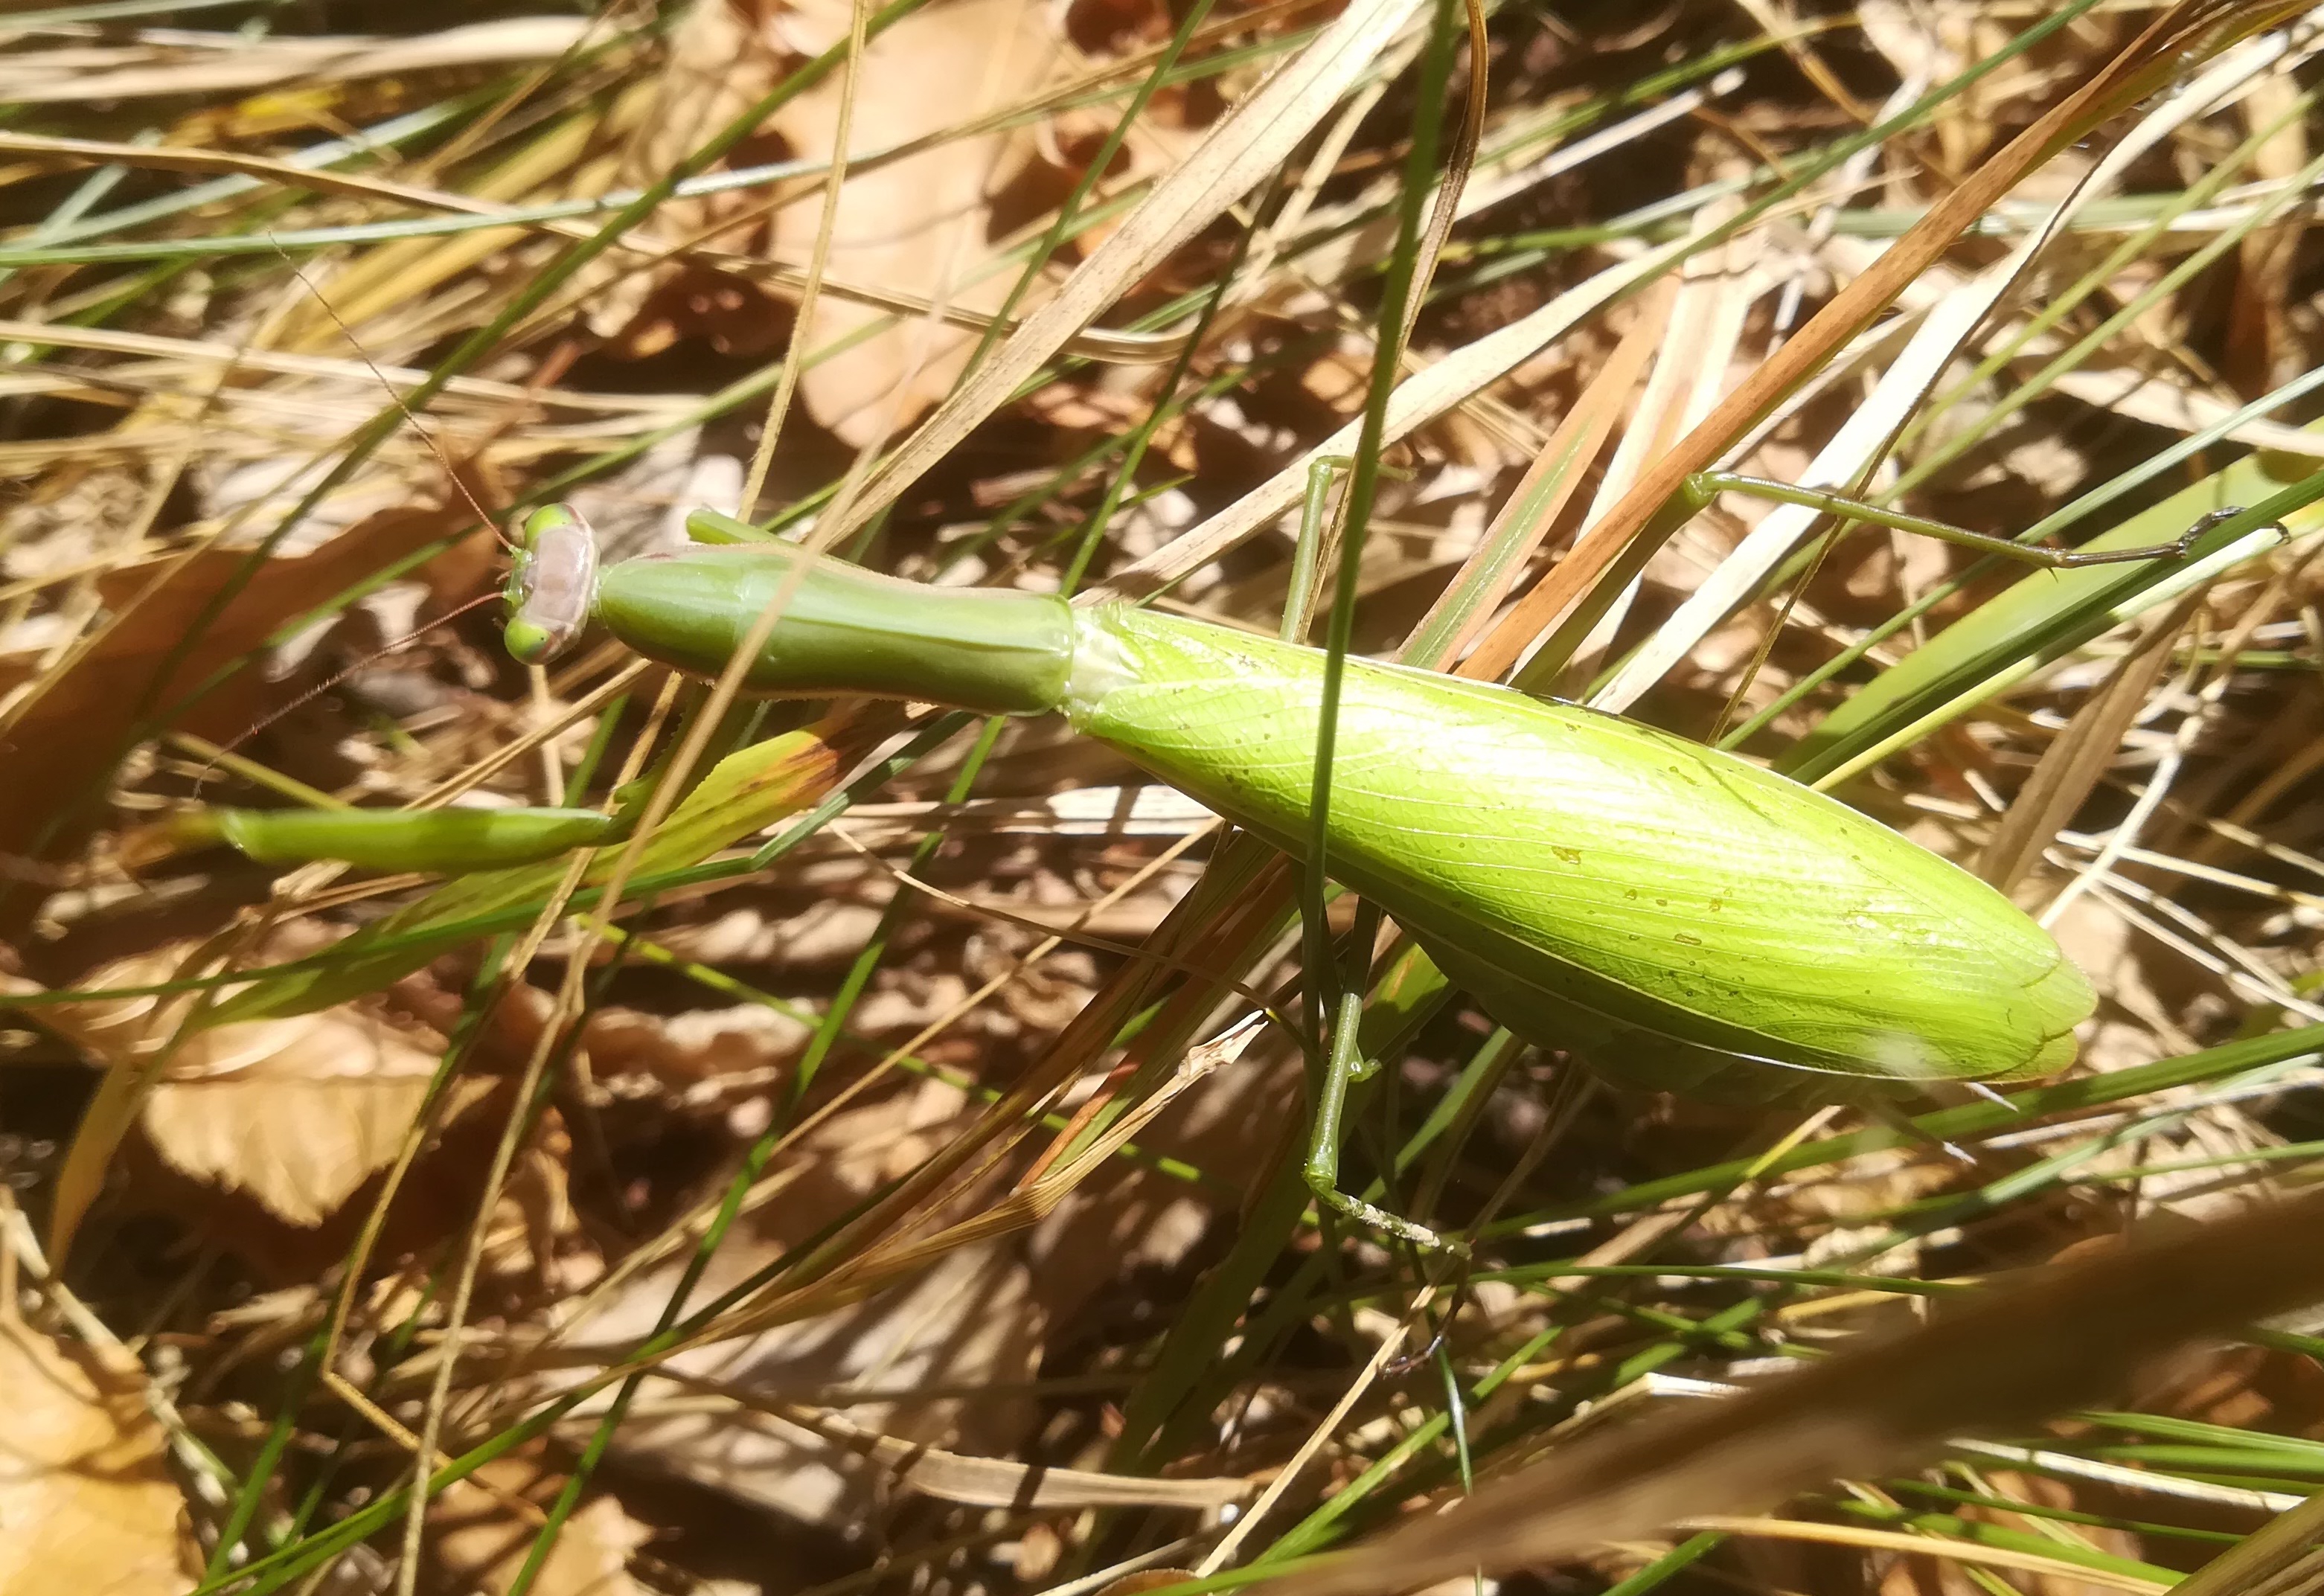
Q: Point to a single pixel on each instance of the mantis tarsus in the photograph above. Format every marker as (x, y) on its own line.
(1679, 917)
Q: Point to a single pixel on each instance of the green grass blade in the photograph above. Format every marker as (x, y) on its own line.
(2044, 617)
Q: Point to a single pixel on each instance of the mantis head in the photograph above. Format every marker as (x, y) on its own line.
(552, 584)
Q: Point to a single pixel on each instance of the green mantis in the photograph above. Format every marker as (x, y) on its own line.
(1677, 916)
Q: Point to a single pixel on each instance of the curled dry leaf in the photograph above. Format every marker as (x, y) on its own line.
(77, 74)
(705, 1052)
(297, 1112)
(86, 1496)
(703, 1055)
(535, 1238)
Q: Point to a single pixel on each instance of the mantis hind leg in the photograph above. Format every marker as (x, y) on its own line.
(1346, 1065)
(1704, 487)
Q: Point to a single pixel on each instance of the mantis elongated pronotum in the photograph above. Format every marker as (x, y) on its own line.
(1677, 916)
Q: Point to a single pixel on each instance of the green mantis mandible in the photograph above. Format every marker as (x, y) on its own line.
(1680, 917)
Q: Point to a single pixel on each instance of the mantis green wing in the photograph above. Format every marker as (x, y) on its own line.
(1685, 920)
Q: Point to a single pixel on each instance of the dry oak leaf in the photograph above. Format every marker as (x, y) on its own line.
(297, 1111)
(87, 1503)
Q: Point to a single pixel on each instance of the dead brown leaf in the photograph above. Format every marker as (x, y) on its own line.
(705, 1054)
(298, 1113)
(87, 1503)
(918, 225)
(480, 1532)
(75, 729)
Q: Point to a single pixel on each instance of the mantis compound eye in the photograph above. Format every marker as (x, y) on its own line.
(552, 584)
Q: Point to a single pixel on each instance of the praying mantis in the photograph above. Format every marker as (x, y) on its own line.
(1678, 917)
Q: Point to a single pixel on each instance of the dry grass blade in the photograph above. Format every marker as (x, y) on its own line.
(1560, 463)
(2069, 1335)
(1842, 466)
(1253, 140)
(1922, 1545)
(1420, 398)
(2281, 1558)
(876, 1269)
(1099, 344)
(2074, 765)
(1947, 329)
(998, 1483)
(241, 62)
(2131, 74)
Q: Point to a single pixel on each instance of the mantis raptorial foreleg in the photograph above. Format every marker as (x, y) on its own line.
(1705, 486)
(708, 526)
